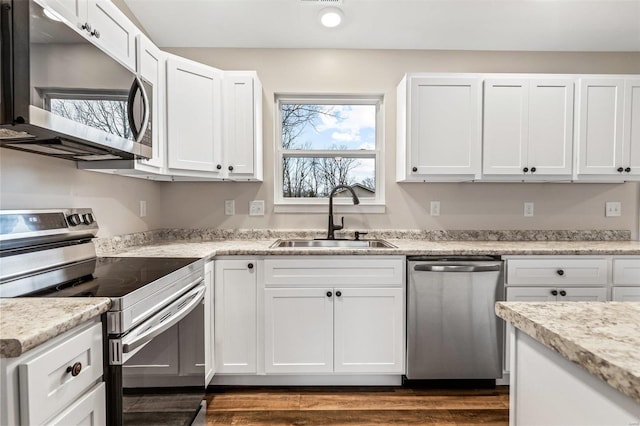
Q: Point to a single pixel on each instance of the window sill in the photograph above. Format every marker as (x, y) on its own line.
(324, 208)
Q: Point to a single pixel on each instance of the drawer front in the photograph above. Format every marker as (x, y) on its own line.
(557, 272)
(330, 271)
(89, 409)
(625, 294)
(626, 271)
(45, 384)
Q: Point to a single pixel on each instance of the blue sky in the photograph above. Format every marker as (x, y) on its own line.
(352, 126)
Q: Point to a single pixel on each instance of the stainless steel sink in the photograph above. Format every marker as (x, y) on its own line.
(332, 243)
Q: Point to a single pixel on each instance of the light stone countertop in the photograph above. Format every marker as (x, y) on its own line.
(209, 249)
(602, 337)
(30, 321)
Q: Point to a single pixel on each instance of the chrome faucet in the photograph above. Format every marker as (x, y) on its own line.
(332, 228)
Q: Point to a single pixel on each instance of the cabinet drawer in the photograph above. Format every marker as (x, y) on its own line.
(626, 271)
(331, 271)
(625, 294)
(89, 409)
(557, 271)
(45, 384)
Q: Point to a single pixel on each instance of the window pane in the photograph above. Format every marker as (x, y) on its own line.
(104, 114)
(315, 177)
(325, 127)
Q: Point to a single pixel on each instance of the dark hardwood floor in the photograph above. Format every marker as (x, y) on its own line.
(357, 406)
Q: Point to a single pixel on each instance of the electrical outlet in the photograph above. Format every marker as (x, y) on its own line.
(256, 208)
(229, 207)
(528, 209)
(435, 208)
(613, 209)
(143, 208)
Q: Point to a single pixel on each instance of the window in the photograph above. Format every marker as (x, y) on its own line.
(324, 141)
(104, 111)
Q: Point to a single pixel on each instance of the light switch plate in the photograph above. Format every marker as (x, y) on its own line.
(229, 207)
(143, 208)
(256, 208)
(528, 209)
(613, 209)
(435, 208)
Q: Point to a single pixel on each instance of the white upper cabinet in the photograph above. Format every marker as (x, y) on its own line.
(439, 128)
(103, 23)
(242, 125)
(528, 128)
(609, 129)
(193, 118)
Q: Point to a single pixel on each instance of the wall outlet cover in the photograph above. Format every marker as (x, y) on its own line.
(256, 208)
(143, 208)
(229, 207)
(435, 208)
(613, 209)
(528, 209)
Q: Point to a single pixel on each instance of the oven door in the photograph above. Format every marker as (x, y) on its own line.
(156, 374)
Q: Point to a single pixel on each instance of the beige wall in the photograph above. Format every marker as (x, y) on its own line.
(463, 206)
(30, 181)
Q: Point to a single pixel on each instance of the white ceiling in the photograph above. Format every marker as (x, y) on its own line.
(544, 25)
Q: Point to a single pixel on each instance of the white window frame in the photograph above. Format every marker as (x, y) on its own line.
(340, 204)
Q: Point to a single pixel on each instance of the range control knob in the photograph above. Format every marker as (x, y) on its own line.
(87, 219)
(74, 219)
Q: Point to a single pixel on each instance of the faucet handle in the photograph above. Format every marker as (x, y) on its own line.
(358, 234)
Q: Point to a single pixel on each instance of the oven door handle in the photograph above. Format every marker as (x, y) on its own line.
(168, 317)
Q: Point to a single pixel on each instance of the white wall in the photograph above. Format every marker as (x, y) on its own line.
(463, 206)
(29, 181)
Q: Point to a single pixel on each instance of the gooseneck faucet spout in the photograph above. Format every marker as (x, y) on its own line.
(332, 227)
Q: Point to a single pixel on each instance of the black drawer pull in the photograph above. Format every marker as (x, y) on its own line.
(250, 266)
(329, 294)
(338, 293)
(75, 369)
(560, 272)
(563, 293)
(554, 292)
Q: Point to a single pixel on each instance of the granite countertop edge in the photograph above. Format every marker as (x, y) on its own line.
(53, 316)
(607, 370)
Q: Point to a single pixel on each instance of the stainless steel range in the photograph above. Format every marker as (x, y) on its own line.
(154, 324)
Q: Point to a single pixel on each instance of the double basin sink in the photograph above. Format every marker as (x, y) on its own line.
(365, 244)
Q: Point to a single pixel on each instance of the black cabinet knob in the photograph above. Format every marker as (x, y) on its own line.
(620, 170)
(74, 369)
(563, 293)
(95, 33)
(526, 169)
(219, 166)
(560, 272)
(338, 293)
(628, 169)
(86, 26)
(415, 169)
(329, 294)
(230, 168)
(250, 266)
(554, 292)
(533, 170)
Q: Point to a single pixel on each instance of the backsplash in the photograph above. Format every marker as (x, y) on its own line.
(117, 243)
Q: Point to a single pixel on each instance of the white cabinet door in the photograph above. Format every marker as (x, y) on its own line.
(531, 294)
(209, 329)
(631, 139)
(444, 126)
(550, 135)
(242, 140)
(626, 271)
(582, 294)
(298, 330)
(505, 126)
(625, 294)
(88, 410)
(235, 315)
(193, 116)
(600, 126)
(150, 63)
(369, 330)
(113, 31)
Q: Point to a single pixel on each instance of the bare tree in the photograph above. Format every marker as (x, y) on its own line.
(104, 114)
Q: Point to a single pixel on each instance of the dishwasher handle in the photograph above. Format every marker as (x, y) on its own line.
(424, 267)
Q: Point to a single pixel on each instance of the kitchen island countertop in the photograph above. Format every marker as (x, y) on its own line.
(601, 337)
(30, 321)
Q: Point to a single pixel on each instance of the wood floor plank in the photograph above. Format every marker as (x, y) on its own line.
(400, 402)
(254, 402)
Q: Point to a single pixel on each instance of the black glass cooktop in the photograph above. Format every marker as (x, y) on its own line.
(117, 277)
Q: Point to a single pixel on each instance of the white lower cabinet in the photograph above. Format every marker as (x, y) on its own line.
(58, 382)
(553, 294)
(354, 325)
(235, 316)
(625, 294)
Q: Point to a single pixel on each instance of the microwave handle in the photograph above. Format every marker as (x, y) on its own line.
(196, 296)
(135, 86)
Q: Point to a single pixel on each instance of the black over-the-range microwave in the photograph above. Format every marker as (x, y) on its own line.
(62, 95)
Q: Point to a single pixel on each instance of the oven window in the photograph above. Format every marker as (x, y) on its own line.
(105, 111)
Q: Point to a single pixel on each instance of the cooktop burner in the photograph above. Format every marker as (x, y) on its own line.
(117, 276)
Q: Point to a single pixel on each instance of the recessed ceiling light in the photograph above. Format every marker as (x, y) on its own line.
(52, 15)
(331, 17)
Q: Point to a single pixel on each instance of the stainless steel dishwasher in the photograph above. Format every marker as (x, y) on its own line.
(452, 329)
